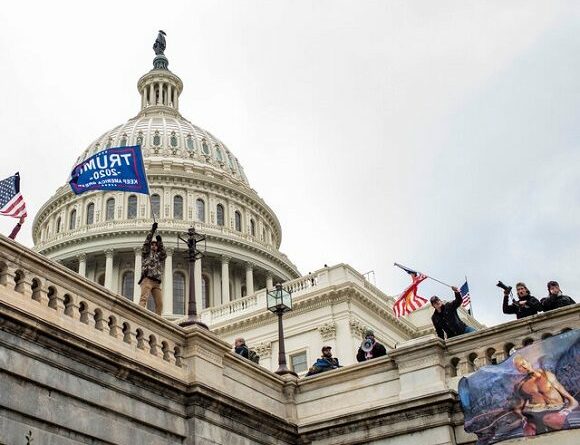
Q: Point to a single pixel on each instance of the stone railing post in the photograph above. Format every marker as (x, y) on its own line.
(421, 364)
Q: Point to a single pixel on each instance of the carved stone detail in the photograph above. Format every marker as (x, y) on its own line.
(264, 350)
(200, 351)
(328, 331)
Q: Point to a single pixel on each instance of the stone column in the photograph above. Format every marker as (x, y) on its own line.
(198, 294)
(151, 94)
(168, 283)
(249, 279)
(82, 264)
(169, 94)
(269, 282)
(137, 275)
(108, 268)
(225, 279)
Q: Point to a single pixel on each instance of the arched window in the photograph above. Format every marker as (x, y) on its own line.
(178, 293)
(238, 218)
(220, 215)
(132, 207)
(205, 148)
(177, 207)
(173, 139)
(139, 139)
(155, 205)
(127, 284)
(123, 142)
(156, 139)
(58, 225)
(189, 143)
(72, 220)
(90, 213)
(200, 210)
(204, 291)
(218, 154)
(252, 227)
(110, 209)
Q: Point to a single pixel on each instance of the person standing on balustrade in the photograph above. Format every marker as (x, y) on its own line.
(152, 269)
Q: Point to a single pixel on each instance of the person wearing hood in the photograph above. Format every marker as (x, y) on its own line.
(556, 299)
(526, 304)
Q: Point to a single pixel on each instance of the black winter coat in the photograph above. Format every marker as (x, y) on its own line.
(447, 321)
(532, 307)
(243, 351)
(556, 301)
(377, 351)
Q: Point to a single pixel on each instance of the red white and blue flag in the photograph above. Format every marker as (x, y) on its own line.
(464, 291)
(409, 301)
(11, 200)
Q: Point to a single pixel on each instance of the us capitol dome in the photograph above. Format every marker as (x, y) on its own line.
(194, 179)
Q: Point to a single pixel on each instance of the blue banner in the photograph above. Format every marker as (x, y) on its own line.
(118, 168)
(535, 391)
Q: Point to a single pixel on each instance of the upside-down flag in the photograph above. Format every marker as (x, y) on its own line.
(11, 200)
(409, 301)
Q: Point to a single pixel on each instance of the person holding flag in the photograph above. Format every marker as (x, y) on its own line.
(445, 319)
(152, 270)
(12, 203)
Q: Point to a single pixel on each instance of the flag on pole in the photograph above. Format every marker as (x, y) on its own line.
(409, 301)
(118, 168)
(406, 269)
(464, 291)
(11, 200)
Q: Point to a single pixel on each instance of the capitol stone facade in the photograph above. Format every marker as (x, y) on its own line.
(194, 179)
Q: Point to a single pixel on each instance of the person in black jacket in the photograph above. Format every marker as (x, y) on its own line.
(445, 318)
(377, 349)
(555, 300)
(241, 348)
(526, 304)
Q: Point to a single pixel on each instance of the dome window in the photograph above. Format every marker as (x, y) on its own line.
(178, 293)
(238, 221)
(139, 140)
(218, 154)
(109, 143)
(156, 139)
(200, 210)
(72, 220)
(189, 142)
(132, 207)
(205, 148)
(155, 204)
(220, 214)
(123, 142)
(252, 227)
(58, 225)
(178, 207)
(110, 209)
(90, 214)
(173, 140)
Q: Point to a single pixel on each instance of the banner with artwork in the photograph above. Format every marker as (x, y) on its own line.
(535, 391)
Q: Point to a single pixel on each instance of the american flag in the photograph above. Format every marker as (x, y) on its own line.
(409, 301)
(11, 200)
(464, 291)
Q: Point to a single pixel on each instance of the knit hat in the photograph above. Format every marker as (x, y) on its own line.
(552, 283)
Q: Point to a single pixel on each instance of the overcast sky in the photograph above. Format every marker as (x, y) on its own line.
(442, 135)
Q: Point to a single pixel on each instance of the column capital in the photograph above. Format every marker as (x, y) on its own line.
(226, 259)
(249, 266)
(82, 256)
(169, 251)
(109, 253)
(137, 250)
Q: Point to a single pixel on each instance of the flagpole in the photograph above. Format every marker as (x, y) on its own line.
(434, 279)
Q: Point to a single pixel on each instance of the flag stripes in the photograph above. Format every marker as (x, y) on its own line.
(11, 201)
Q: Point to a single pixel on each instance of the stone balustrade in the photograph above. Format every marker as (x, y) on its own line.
(96, 352)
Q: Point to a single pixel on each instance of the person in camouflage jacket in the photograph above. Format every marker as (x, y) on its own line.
(154, 255)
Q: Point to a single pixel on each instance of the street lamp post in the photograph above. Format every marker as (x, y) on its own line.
(279, 301)
(193, 254)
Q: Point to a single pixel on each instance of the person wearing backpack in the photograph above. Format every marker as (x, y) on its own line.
(242, 349)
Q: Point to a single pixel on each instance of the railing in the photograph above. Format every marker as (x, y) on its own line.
(30, 284)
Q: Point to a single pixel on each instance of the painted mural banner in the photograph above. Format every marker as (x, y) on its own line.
(118, 168)
(535, 391)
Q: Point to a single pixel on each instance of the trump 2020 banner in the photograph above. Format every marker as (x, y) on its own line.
(535, 391)
(119, 168)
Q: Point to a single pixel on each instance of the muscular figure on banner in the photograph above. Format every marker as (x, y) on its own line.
(540, 399)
